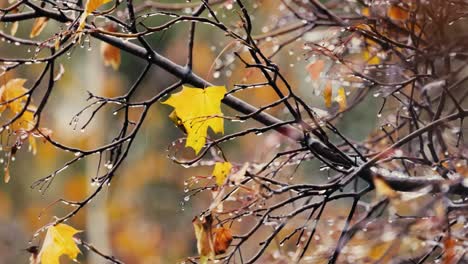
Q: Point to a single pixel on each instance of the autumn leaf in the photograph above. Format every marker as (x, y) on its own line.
(203, 233)
(197, 110)
(91, 6)
(109, 53)
(25, 122)
(13, 91)
(221, 171)
(222, 237)
(38, 25)
(59, 241)
(327, 94)
(341, 98)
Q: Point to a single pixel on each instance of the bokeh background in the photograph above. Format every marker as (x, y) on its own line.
(143, 217)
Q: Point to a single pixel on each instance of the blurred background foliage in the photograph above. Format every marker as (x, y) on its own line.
(144, 216)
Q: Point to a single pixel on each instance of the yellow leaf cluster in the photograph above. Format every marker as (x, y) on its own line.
(59, 241)
(221, 171)
(12, 95)
(197, 109)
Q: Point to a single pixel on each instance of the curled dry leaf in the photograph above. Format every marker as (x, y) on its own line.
(222, 239)
(203, 233)
(38, 25)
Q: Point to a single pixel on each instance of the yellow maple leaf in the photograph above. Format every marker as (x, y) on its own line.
(197, 110)
(38, 25)
(59, 241)
(91, 6)
(13, 90)
(221, 171)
